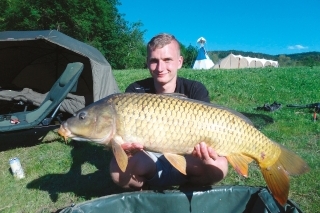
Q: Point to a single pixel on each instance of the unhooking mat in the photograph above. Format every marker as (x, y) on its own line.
(233, 199)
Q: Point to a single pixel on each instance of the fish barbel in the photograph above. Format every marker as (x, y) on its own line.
(173, 125)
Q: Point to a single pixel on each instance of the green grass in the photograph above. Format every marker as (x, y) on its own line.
(59, 174)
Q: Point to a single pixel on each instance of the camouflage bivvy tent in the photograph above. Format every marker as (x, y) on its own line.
(31, 61)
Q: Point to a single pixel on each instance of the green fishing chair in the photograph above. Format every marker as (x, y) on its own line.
(40, 116)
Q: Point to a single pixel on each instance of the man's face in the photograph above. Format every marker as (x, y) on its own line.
(163, 63)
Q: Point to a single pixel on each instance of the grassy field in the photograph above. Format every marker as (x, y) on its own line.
(59, 174)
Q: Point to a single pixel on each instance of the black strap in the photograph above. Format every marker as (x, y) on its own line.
(268, 201)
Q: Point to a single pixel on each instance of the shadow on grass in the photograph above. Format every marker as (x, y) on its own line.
(259, 120)
(23, 138)
(87, 186)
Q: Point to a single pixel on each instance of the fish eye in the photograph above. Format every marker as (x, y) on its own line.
(82, 115)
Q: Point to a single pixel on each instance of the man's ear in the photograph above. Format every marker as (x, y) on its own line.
(180, 61)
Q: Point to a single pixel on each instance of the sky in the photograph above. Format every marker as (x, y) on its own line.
(262, 26)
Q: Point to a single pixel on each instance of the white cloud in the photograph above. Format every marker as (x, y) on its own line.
(297, 47)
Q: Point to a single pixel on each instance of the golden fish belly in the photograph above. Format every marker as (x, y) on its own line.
(167, 124)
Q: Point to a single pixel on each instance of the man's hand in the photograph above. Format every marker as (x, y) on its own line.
(131, 148)
(210, 157)
(204, 152)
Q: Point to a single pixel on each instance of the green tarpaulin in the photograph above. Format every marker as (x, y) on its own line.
(234, 199)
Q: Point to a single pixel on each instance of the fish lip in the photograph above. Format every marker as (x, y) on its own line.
(63, 131)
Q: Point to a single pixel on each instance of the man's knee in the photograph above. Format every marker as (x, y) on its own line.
(219, 173)
(201, 173)
(224, 167)
(135, 174)
(122, 179)
(114, 171)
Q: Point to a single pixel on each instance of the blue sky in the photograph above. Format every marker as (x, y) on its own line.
(271, 27)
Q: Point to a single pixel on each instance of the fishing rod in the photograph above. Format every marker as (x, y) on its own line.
(314, 106)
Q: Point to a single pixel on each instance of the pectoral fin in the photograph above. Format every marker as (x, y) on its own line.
(120, 155)
(177, 161)
(240, 163)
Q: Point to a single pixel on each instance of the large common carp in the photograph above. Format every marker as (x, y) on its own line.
(173, 125)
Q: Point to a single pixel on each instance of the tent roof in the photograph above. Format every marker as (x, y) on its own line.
(201, 40)
(56, 37)
(238, 61)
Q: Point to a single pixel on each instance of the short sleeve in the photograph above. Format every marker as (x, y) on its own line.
(200, 92)
(131, 88)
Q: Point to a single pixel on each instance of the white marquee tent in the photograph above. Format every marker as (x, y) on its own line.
(202, 61)
(238, 61)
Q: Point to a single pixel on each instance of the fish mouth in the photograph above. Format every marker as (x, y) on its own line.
(64, 132)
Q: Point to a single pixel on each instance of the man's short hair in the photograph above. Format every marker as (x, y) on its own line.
(162, 40)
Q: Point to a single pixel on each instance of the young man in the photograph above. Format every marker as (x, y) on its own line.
(204, 166)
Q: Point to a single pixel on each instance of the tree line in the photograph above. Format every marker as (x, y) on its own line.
(99, 24)
(96, 22)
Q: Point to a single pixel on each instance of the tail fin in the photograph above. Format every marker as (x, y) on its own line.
(277, 175)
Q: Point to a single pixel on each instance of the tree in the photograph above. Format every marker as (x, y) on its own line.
(3, 8)
(285, 61)
(136, 54)
(189, 55)
(309, 61)
(214, 57)
(96, 22)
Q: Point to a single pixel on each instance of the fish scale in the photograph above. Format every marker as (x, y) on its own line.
(187, 117)
(173, 124)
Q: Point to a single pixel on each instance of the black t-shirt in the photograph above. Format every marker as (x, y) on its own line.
(192, 89)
